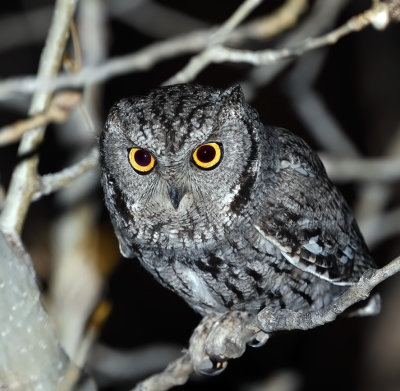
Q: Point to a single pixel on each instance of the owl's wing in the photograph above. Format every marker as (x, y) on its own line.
(307, 219)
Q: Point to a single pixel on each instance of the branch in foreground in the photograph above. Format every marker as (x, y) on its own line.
(31, 357)
(219, 338)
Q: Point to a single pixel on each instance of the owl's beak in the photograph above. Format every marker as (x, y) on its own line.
(175, 195)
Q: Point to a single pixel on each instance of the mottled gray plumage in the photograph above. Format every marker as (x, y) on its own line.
(263, 227)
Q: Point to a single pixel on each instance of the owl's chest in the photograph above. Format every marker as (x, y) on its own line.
(214, 277)
(238, 273)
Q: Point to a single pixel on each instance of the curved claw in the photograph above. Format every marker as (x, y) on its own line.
(215, 367)
(259, 340)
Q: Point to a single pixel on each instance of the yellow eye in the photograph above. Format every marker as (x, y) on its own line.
(141, 160)
(207, 156)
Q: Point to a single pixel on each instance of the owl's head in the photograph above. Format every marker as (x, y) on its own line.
(178, 161)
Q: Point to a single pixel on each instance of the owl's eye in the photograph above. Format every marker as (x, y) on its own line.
(141, 160)
(207, 156)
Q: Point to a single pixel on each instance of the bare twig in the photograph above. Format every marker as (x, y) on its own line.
(58, 111)
(265, 57)
(123, 365)
(96, 322)
(319, 19)
(32, 356)
(147, 57)
(52, 182)
(24, 179)
(380, 226)
(310, 106)
(176, 373)
(200, 61)
(383, 169)
(373, 198)
(269, 26)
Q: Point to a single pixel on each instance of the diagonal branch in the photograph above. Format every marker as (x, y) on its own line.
(201, 60)
(220, 337)
(24, 179)
(270, 320)
(52, 182)
(176, 373)
(378, 16)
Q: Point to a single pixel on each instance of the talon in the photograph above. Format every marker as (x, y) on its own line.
(259, 340)
(217, 366)
(255, 343)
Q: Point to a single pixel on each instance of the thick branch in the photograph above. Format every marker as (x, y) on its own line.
(31, 357)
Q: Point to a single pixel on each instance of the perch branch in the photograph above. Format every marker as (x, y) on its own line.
(273, 320)
(176, 373)
(221, 337)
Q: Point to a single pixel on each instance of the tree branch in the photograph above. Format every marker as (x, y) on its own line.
(176, 373)
(219, 338)
(380, 169)
(378, 16)
(52, 182)
(24, 180)
(58, 111)
(201, 60)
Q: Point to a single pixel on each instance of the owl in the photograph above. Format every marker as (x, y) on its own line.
(228, 213)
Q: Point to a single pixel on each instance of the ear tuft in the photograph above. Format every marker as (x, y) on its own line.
(233, 94)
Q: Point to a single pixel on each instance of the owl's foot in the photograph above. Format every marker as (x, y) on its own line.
(219, 338)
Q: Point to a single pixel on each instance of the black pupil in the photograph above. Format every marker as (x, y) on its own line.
(206, 153)
(142, 157)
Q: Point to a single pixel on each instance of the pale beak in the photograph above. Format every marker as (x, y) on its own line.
(175, 195)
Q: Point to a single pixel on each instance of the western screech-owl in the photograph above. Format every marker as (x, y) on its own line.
(226, 212)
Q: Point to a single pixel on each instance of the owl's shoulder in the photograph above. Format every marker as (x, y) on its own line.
(295, 153)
